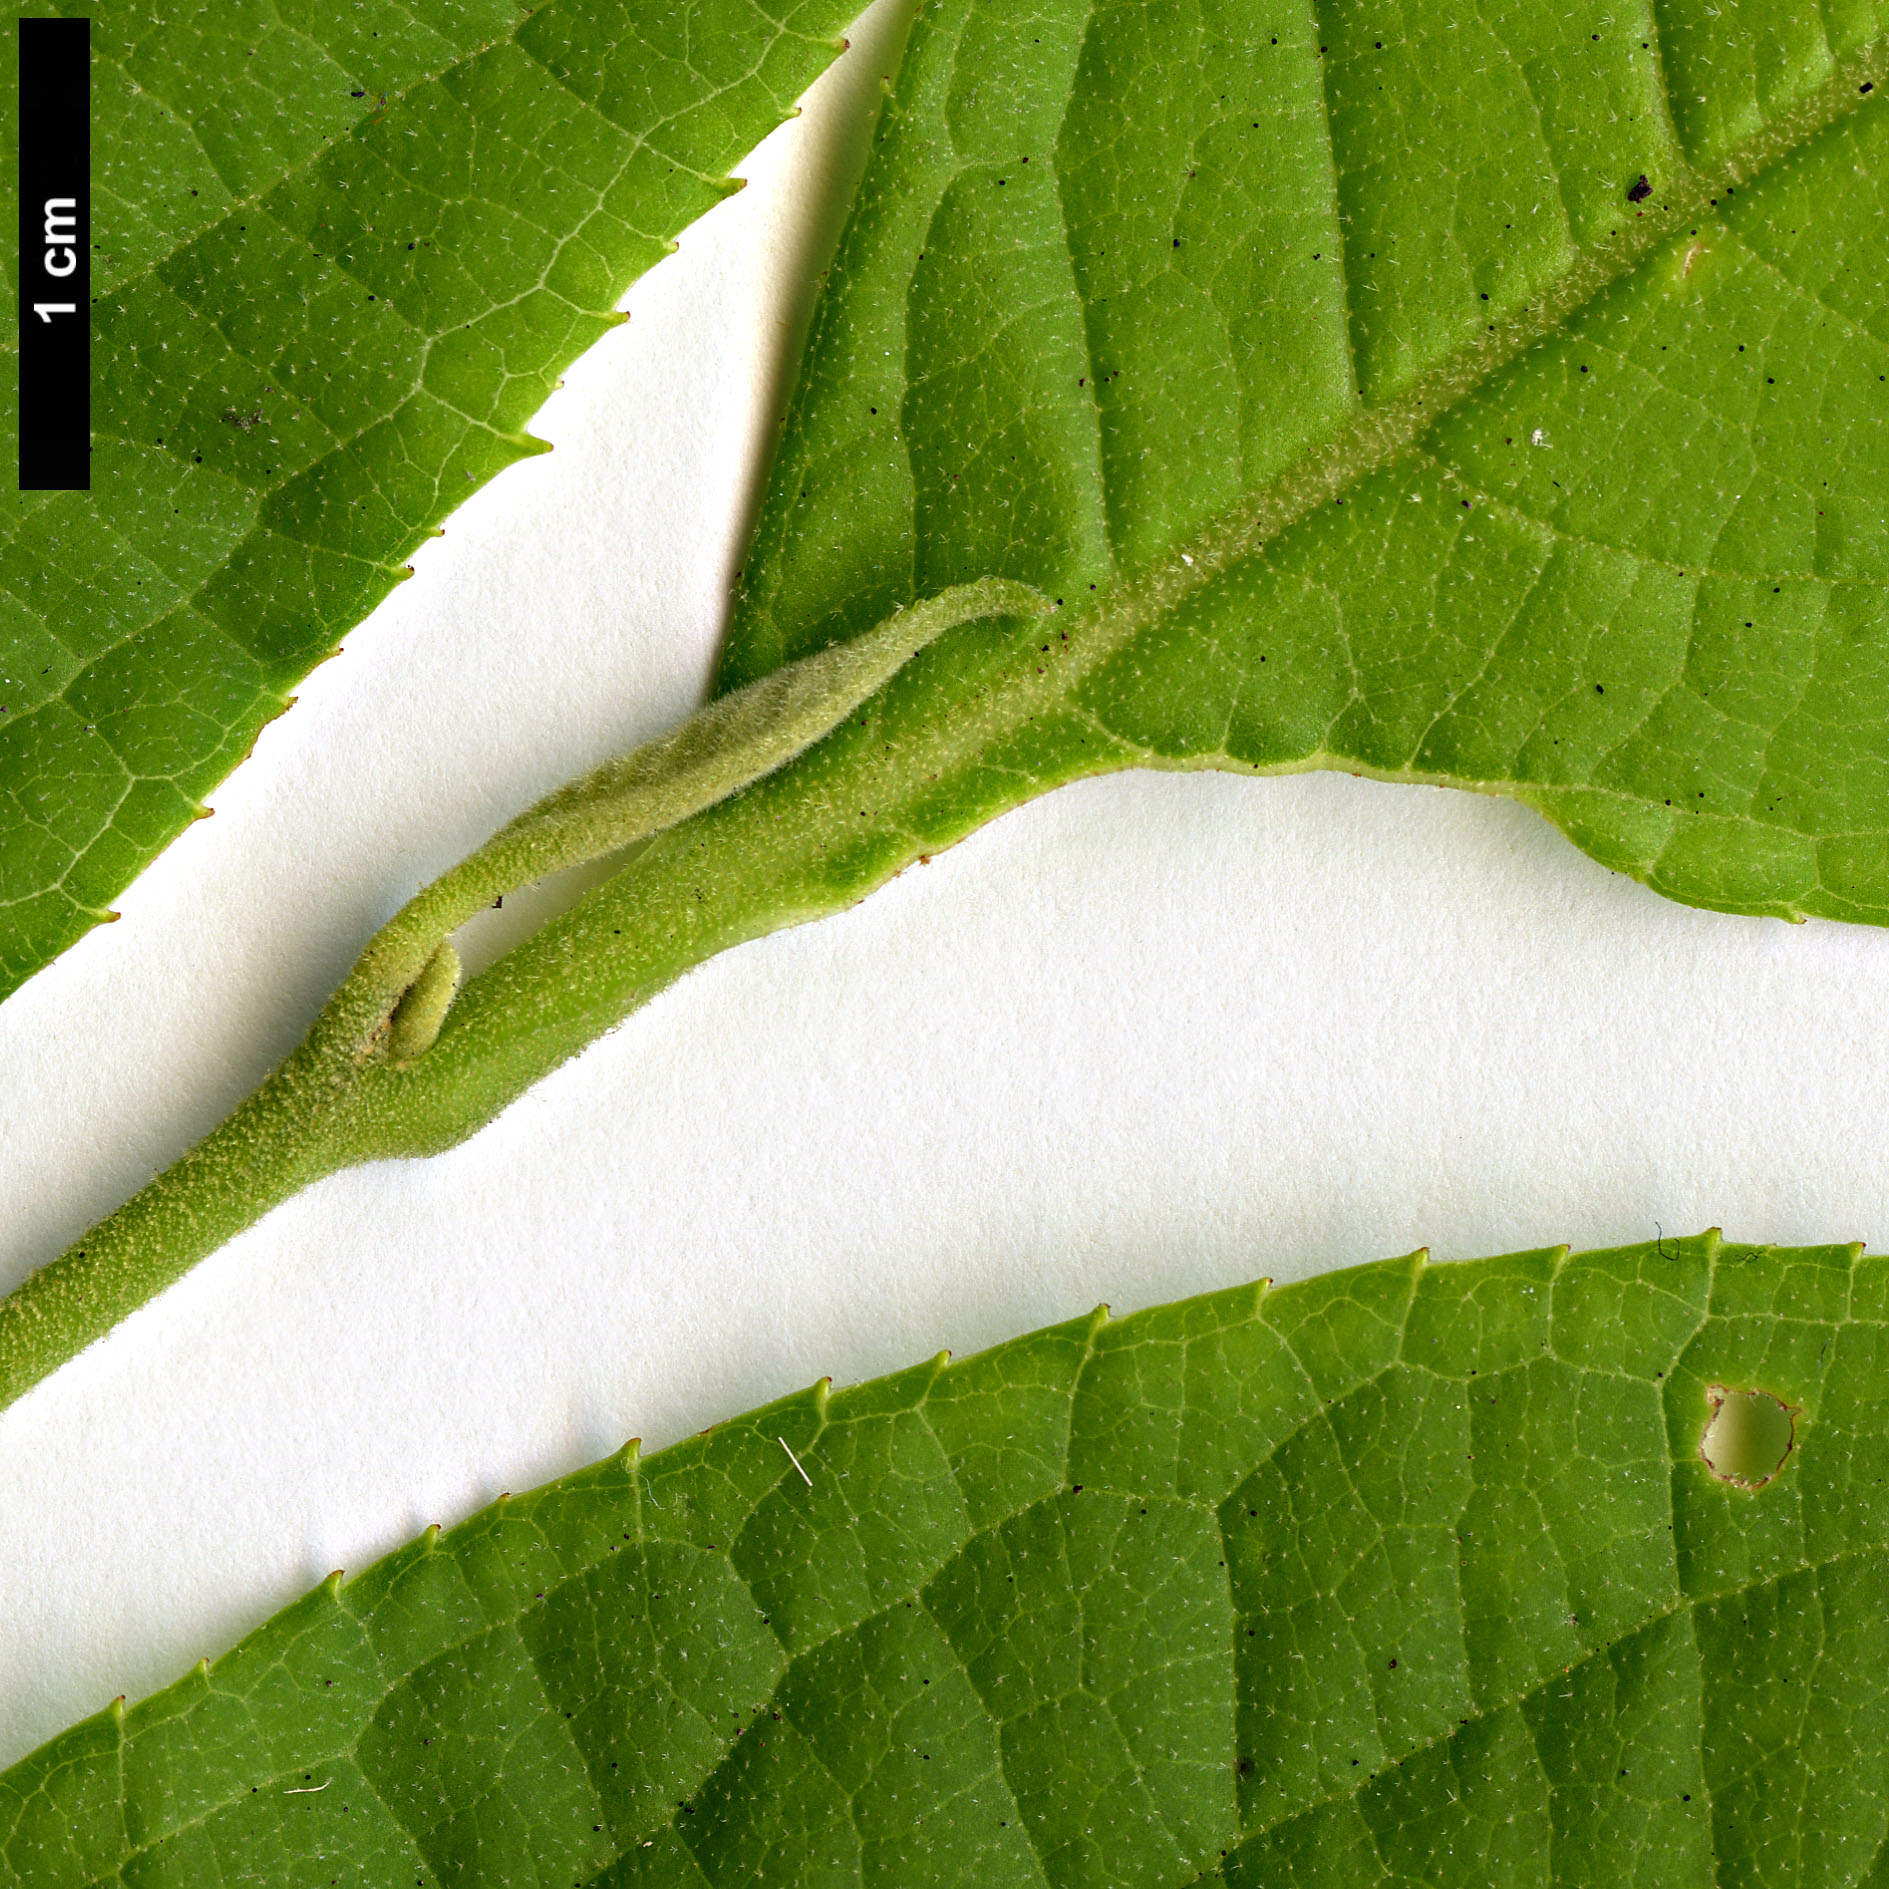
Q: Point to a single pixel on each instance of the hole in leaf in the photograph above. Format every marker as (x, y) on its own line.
(1747, 1437)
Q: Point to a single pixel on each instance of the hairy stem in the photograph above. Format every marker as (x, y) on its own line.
(775, 805)
(383, 1071)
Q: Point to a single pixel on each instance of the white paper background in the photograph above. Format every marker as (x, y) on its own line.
(1149, 1036)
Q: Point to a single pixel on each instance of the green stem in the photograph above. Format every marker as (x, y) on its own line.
(768, 809)
(401, 1062)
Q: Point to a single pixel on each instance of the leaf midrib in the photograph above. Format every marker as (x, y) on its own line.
(1376, 437)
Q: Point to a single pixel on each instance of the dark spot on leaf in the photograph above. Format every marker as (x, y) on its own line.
(1639, 191)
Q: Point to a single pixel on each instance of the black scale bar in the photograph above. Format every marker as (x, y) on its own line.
(55, 256)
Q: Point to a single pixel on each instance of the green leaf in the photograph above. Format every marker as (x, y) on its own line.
(341, 256)
(1540, 453)
(1333, 368)
(1398, 1574)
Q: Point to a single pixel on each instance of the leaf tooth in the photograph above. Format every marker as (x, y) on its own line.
(429, 1538)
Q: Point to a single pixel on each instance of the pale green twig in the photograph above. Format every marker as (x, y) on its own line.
(353, 1090)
